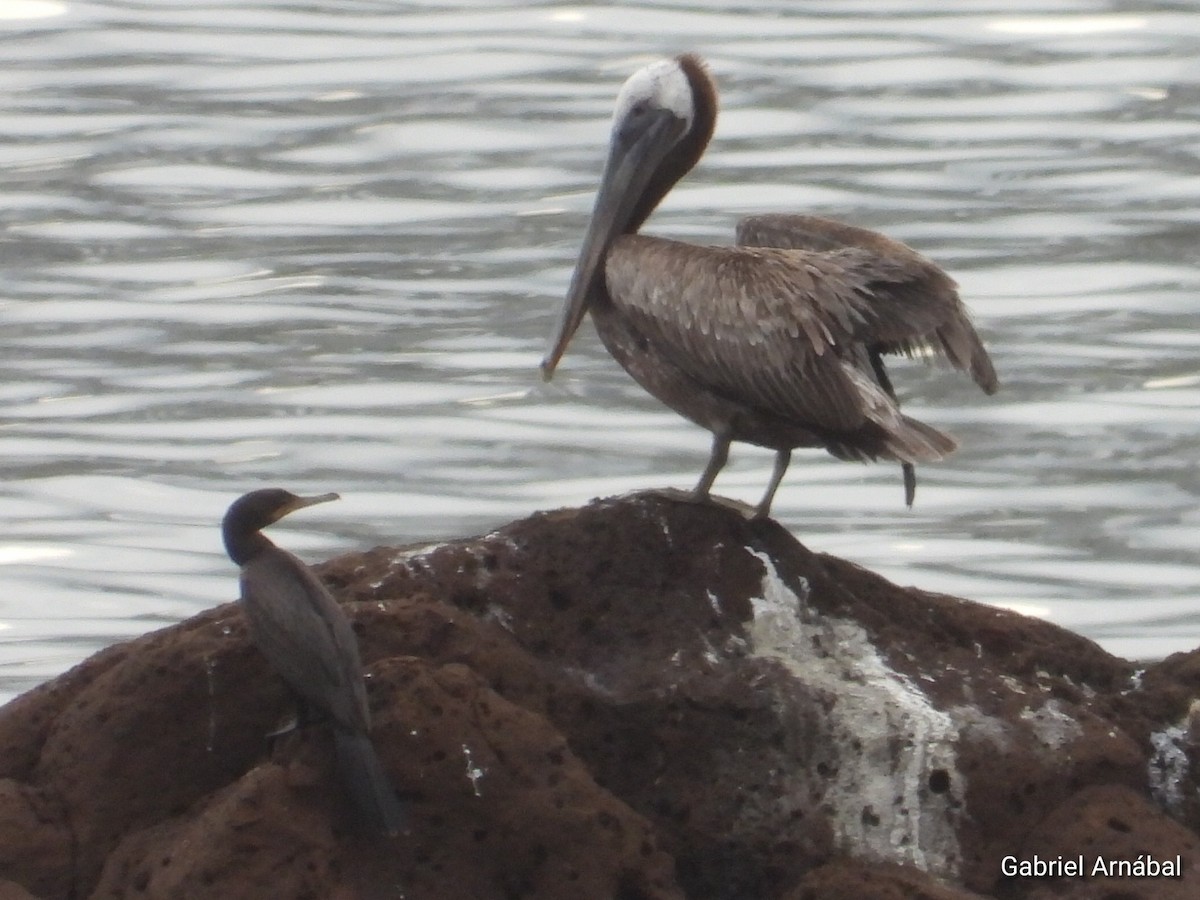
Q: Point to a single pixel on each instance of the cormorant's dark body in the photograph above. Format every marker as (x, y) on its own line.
(308, 641)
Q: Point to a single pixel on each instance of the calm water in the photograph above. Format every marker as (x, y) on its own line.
(322, 245)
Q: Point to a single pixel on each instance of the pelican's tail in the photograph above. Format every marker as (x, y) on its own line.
(907, 441)
(367, 783)
(914, 441)
(896, 436)
(903, 439)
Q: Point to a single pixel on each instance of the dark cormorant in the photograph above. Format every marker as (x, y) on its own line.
(308, 641)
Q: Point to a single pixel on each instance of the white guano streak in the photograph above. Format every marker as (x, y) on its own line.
(888, 736)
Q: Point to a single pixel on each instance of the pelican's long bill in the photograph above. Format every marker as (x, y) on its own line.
(639, 144)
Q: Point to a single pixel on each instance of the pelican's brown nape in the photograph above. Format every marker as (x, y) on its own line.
(778, 341)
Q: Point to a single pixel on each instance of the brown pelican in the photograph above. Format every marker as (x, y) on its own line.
(308, 641)
(778, 341)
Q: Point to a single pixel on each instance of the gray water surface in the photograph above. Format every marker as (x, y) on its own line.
(321, 246)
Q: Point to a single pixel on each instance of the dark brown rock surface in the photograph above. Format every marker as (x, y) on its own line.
(642, 698)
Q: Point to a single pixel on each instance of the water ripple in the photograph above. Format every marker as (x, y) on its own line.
(253, 243)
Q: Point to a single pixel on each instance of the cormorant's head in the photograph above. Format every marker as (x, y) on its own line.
(256, 510)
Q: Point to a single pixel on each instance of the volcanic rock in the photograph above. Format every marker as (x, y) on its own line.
(642, 698)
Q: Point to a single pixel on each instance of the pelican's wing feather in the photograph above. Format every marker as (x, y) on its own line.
(915, 308)
(778, 330)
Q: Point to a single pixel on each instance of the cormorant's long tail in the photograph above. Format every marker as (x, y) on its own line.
(367, 783)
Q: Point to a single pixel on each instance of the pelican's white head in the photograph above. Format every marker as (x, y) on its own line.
(659, 86)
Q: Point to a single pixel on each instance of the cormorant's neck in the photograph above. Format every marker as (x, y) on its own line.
(242, 546)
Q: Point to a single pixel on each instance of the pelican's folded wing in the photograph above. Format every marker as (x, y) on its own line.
(774, 330)
(915, 307)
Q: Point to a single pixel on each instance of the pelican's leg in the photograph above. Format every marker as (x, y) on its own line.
(782, 459)
(909, 471)
(716, 462)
